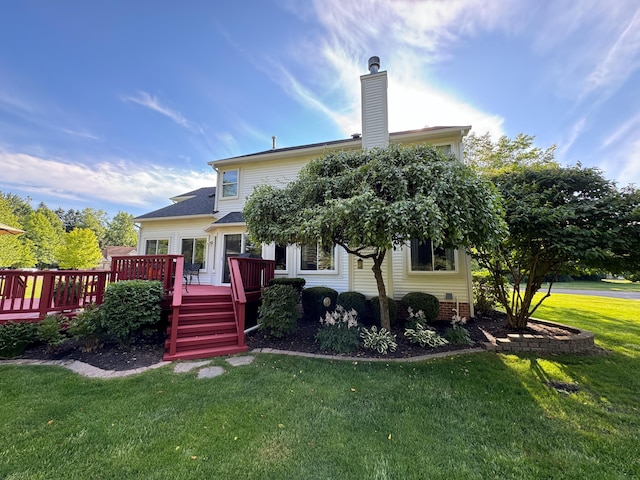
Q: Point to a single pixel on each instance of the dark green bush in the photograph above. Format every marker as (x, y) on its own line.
(353, 300)
(130, 306)
(393, 310)
(86, 326)
(313, 302)
(296, 283)
(426, 302)
(484, 297)
(15, 336)
(278, 313)
(50, 331)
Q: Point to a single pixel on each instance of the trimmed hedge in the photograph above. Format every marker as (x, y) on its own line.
(426, 302)
(393, 310)
(313, 301)
(278, 315)
(353, 300)
(296, 283)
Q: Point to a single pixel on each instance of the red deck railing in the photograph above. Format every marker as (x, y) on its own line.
(147, 267)
(248, 277)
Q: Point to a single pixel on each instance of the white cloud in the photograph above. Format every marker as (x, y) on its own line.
(122, 182)
(151, 102)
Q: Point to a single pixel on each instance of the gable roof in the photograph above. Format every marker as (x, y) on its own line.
(195, 203)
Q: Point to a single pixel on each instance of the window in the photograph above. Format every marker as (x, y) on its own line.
(230, 183)
(427, 258)
(317, 257)
(194, 251)
(446, 149)
(250, 247)
(281, 257)
(156, 247)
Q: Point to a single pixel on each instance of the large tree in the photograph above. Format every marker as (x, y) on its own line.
(15, 250)
(559, 219)
(369, 201)
(45, 230)
(79, 250)
(121, 231)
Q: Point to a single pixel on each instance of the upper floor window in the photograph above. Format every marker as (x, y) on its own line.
(194, 251)
(446, 149)
(156, 247)
(230, 183)
(427, 258)
(317, 257)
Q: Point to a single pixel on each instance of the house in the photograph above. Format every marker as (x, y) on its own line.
(109, 252)
(207, 225)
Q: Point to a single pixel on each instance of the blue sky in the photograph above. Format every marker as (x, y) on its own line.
(119, 105)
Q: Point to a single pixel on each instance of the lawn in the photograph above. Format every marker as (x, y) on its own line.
(609, 285)
(471, 417)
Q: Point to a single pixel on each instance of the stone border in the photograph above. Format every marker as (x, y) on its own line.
(580, 341)
(419, 358)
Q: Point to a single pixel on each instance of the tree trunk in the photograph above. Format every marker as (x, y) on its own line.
(385, 320)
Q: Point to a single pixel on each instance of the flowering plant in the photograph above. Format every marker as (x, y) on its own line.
(457, 334)
(381, 341)
(415, 318)
(339, 331)
(424, 336)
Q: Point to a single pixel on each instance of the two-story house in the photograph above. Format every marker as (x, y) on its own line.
(207, 225)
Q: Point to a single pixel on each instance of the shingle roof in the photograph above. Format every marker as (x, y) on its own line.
(233, 217)
(200, 203)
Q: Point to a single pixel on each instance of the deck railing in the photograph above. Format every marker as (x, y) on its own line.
(248, 277)
(33, 294)
(146, 267)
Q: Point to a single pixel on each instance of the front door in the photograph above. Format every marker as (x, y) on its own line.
(232, 248)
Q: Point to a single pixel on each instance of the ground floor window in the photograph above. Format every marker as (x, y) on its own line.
(427, 258)
(281, 257)
(194, 251)
(317, 257)
(156, 247)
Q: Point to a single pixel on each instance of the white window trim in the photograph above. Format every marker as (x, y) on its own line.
(157, 240)
(206, 249)
(410, 271)
(237, 195)
(299, 269)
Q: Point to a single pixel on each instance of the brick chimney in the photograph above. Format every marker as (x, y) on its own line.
(375, 122)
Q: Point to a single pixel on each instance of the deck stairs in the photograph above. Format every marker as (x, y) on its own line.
(206, 328)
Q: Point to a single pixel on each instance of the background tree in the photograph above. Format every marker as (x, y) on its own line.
(79, 250)
(121, 231)
(15, 250)
(559, 219)
(373, 200)
(44, 229)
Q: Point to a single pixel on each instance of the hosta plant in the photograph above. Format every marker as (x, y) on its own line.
(381, 341)
(339, 331)
(424, 336)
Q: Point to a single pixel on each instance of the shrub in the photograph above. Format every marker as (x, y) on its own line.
(424, 336)
(314, 301)
(353, 301)
(50, 331)
(393, 310)
(277, 314)
(339, 331)
(415, 318)
(15, 336)
(426, 302)
(457, 335)
(296, 283)
(381, 341)
(484, 296)
(129, 306)
(86, 326)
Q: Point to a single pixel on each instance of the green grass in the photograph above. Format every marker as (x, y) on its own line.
(470, 417)
(608, 285)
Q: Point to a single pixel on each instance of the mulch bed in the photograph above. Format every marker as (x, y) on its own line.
(149, 350)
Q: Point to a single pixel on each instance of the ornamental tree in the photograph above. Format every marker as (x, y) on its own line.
(79, 250)
(369, 201)
(559, 219)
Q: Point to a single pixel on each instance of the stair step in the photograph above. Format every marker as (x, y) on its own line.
(203, 341)
(207, 307)
(206, 299)
(204, 317)
(205, 353)
(204, 328)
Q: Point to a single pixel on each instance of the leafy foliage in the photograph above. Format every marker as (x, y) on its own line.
(424, 336)
(381, 341)
(484, 296)
(86, 326)
(80, 250)
(45, 231)
(129, 306)
(369, 201)
(315, 303)
(121, 231)
(353, 301)
(15, 336)
(339, 331)
(392, 308)
(278, 315)
(15, 250)
(297, 283)
(458, 335)
(50, 331)
(428, 304)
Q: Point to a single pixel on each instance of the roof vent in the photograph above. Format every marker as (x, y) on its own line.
(273, 142)
(356, 135)
(374, 64)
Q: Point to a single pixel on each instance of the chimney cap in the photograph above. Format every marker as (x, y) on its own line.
(374, 64)
(356, 135)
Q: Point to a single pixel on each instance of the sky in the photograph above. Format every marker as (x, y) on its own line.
(118, 105)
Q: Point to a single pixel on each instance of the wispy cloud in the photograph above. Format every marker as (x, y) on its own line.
(136, 185)
(574, 132)
(151, 102)
(80, 134)
(622, 131)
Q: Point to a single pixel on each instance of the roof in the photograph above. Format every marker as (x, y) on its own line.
(233, 217)
(432, 133)
(194, 203)
(109, 252)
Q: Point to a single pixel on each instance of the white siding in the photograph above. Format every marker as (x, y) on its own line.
(375, 124)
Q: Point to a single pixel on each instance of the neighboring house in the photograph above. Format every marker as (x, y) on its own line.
(214, 230)
(108, 252)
